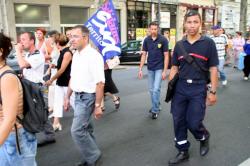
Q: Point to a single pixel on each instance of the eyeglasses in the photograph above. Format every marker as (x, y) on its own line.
(78, 36)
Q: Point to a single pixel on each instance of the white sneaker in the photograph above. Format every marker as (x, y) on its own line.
(224, 82)
(245, 78)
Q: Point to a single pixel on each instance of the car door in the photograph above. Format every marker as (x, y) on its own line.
(133, 52)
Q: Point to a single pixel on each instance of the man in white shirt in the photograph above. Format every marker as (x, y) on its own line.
(87, 82)
(30, 59)
(221, 42)
(32, 63)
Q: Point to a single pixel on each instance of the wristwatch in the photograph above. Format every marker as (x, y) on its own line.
(97, 105)
(212, 92)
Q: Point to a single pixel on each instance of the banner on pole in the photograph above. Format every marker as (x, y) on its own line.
(104, 32)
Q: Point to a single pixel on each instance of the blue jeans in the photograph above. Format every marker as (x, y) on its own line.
(82, 127)
(221, 69)
(154, 81)
(9, 155)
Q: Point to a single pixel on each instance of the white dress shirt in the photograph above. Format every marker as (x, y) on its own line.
(87, 70)
(36, 71)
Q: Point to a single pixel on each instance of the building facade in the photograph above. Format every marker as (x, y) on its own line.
(134, 15)
(229, 15)
(27, 15)
(207, 10)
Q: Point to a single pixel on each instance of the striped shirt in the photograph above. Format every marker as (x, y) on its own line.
(220, 41)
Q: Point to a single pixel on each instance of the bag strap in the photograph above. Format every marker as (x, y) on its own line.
(17, 139)
(194, 63)
(6, 72)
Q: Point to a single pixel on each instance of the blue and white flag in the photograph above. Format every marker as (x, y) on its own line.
(104, 31)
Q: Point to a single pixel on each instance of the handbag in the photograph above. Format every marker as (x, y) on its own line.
(112, 63)
(241, 60)
(171, 87)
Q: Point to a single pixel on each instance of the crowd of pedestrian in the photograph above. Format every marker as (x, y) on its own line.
(230, 48)
(72, 74)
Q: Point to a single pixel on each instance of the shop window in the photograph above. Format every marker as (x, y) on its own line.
(207, 20)
(72, 16)
(170, 11)
(29, 29)
(29, 17)
(139, 16)
(31, 14)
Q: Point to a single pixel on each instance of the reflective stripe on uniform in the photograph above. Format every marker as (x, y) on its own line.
(182, 142)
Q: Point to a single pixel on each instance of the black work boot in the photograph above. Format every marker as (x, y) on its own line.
(204, 146)
(182, 156)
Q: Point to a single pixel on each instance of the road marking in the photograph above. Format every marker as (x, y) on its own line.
(245, 163)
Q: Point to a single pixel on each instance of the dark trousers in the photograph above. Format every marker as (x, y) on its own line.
(246, 69)
(188, 111)
(49, 133)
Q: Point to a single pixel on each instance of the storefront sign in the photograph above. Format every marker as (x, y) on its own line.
(209, 15)
(141, 33)
(165, 20)
(230, 17)
(172, 38)
(172, 32)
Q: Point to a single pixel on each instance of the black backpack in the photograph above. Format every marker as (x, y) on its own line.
(35, 113)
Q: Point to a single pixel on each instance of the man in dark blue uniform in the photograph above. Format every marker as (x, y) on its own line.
(189, 101)
(156, 46)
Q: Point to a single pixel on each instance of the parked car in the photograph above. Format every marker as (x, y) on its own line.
(131, 51)
(12, 61)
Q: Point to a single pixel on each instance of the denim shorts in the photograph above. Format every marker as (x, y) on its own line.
(9, 155)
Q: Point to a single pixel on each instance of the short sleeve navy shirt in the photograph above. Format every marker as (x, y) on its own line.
(155, 49)
(204, 52)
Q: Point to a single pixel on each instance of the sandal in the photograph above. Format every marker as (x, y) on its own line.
(117, 103)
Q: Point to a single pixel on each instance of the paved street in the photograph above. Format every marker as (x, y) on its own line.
(130, 138)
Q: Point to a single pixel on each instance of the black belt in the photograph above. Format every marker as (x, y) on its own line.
(190, 81)
(80, 93)
(40, 84)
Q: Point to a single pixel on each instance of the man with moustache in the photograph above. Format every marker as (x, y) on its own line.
(87, 82)
(155, 48)
(32, 62)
